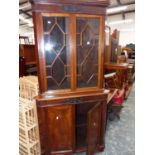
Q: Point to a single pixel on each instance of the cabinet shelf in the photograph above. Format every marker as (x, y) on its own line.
(81, 120)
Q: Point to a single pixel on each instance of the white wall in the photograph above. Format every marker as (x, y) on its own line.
(127, 30)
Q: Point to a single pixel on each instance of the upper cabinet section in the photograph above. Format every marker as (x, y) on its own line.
(69, 38)
(58, 48)
(93, 7)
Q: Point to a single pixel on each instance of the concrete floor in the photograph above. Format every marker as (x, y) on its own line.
(120, 134)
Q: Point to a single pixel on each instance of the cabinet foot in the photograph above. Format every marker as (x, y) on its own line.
(101, 148)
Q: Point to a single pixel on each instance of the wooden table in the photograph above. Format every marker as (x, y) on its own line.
(121, 70)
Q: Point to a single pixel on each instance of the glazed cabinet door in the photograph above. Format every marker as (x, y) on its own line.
(88, 50)
(56, 51)
(59, 128)
(70, 52)
(93, 128)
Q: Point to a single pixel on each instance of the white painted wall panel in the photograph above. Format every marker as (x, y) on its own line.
(127, 30)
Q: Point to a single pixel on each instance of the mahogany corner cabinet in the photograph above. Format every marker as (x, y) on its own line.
(69, 36)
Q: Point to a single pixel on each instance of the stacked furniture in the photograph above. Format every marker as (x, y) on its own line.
(27, 52)
(131, 62)
(71, 106)
(28, 87)
(121, 70)
(112, 48)
(29, 142)
(115, 96)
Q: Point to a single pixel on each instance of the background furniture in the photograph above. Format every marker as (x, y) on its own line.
(22, 67)
(115, 48)
(27, 52)
(71, 106)
(115, 96)
(112, 48)
(29, 141)
(131, 61)
(107, 53)
(111, 80)
(121, 70)
(122, 58)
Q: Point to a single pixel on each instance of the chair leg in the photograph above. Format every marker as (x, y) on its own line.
(118, 115)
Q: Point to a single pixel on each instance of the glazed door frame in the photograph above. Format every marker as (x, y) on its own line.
(100, 51)
(40, 52)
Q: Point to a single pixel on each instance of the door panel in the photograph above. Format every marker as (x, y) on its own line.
(93, 128)
(60, 126)
(57, 53)
(87, 48)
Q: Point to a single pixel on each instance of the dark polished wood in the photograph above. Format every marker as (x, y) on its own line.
(121, 70)
(122, 66)
(93, 128)
(28, 52)
(57, 121)
(69, 38)
(100, 3)
(107, 53)
(60, 127)
(38, 32)
(22, 67)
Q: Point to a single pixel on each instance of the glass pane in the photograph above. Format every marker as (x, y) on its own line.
(87, 36)
(57, 54)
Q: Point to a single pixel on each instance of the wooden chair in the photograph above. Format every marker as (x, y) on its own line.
(110, 80)
(114, 106)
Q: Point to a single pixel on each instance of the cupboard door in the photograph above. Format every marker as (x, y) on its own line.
(57, 52)
(87, 48)
(60, 128)
(93, 128)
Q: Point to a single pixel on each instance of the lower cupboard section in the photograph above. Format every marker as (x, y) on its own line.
(70, 128)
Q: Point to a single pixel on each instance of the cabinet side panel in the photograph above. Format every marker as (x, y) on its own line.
(42, 129)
